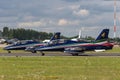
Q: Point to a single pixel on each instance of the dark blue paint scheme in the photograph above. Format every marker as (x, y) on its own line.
(78, 46)
(29, 45)
(21, 45)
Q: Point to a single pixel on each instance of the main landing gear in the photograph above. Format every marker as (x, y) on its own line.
(33, 51)
(74, 54)
(42, 53)
(9, 51)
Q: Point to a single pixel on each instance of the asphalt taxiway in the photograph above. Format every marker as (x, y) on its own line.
(56, 54)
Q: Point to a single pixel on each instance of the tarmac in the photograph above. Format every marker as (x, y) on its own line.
(58, 54)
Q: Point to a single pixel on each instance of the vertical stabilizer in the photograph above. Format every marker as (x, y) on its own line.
(103, 34)
(55, 36)
(79, 34)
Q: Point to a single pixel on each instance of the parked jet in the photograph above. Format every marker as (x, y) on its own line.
(77, 47)
(11, 41)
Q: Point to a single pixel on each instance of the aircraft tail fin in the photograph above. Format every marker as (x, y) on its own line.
(55, 36)
(103, 34)
(80, 32)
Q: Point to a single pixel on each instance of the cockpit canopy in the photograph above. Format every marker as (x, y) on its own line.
(24, 42)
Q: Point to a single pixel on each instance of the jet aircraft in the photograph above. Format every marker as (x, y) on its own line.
(32, 48)
(21, 45)
(77, 47)
(28, 45)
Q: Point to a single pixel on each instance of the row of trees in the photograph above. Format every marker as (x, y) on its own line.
(25, 34)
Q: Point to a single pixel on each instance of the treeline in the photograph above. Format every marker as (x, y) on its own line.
(25, 34)
(29, 34)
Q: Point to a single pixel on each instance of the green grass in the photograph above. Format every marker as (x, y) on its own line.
(114, 50)
(59, 68)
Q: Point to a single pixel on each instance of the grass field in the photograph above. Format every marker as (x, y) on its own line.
(59, 68)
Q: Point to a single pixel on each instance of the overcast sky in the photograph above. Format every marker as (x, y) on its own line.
(65, 16)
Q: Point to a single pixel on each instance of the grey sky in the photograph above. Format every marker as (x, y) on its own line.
(66, 16)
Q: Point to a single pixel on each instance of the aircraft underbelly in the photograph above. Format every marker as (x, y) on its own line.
(53, 49)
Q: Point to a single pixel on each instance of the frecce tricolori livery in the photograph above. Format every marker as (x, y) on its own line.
(77, 47)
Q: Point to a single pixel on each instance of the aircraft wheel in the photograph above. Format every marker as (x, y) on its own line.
(74, 54)
(43, 54)
(9, 51)
(33, 51)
